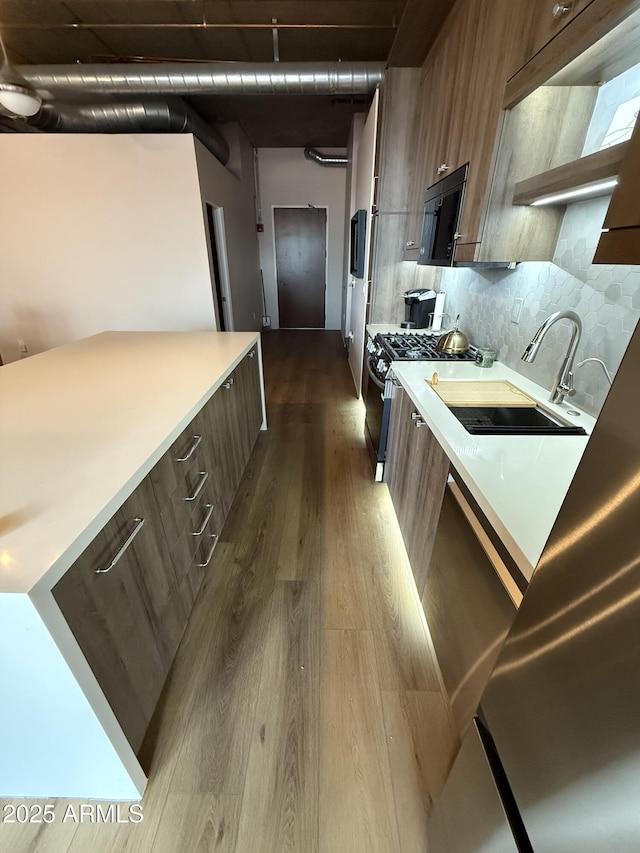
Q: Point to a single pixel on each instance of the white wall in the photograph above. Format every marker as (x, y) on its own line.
(99, 232)
(235, 194)
(288, 179)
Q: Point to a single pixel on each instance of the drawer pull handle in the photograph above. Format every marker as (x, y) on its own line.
(203, 479)
(138, 522)
(204, 565)
(252, 354)
(209, 508)
(228, 383)
(419, 422)
(415, 416)
(192, 449)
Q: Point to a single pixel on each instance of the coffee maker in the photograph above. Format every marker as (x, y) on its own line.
(419, 304)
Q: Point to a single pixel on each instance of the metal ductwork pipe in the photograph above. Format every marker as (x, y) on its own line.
(229, 78)
(168, 115)
(325, 159)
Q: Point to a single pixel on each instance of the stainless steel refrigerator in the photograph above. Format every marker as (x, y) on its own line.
(553, 762)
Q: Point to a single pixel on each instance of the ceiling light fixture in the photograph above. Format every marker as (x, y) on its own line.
(16, 94)
(592, 191)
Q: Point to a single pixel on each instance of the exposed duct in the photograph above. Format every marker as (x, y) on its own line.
(228, 78)
(325, 159)
(166, 115)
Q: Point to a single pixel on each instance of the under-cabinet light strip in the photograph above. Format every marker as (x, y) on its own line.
(571, 194)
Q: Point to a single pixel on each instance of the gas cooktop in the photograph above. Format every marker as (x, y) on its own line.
(417, 347)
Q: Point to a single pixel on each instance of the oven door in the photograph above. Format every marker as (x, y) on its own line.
(378, 411)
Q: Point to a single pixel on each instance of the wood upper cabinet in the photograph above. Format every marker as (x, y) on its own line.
(541, 21)
(461, 103)
(473, 110)
(416, 473)
(620, 244)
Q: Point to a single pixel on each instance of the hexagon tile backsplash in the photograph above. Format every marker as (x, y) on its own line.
(607, 298)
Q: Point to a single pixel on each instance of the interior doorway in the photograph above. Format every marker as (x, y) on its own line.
(221, 306)
(301, 263)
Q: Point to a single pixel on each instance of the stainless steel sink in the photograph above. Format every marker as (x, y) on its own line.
(512, 420)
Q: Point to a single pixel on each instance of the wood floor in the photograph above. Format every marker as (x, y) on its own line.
(304, 711)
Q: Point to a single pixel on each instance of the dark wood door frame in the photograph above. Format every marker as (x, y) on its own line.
(300, 257)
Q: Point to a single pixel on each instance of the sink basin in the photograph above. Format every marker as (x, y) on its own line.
(512, 420)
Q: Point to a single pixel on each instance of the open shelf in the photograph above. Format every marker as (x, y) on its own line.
(592, 169)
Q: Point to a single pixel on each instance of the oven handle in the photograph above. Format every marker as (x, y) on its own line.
(373, 376)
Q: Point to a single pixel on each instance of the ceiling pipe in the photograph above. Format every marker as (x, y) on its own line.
(325, 159)
(227, 78)
(167, 115)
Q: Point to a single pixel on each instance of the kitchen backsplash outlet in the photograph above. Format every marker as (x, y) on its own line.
(606, 297)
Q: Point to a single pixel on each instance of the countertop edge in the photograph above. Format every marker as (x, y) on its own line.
(525, 558)
(37, 589)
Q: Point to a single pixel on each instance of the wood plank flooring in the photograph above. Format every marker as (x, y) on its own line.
(304, 711)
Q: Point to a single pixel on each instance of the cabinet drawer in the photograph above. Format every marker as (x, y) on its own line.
(185, 500)
(186, 451)
(116, 598)
(195, 543)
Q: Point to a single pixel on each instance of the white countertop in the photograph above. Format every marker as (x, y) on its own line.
(81, 427)
(519, 482)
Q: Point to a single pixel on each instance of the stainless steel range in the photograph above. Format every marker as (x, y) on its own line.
(415, 347)
(382, 351)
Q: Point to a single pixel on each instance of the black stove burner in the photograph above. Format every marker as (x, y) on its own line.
(416, 347)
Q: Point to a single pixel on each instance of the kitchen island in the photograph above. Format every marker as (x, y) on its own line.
(84, 428)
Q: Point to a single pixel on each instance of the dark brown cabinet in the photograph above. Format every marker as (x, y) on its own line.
(467, 610)
(620, 241)
(119, 599)
(416, 473)
(541, 21)
(465, 603)
(234, 416)
(128, 597)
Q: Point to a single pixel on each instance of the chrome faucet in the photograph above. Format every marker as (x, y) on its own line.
(563, 385)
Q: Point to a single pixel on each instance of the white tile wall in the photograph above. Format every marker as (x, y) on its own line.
(606, 297)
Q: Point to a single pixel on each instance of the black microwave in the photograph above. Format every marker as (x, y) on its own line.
(442, 210)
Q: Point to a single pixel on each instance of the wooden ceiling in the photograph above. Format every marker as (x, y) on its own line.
(400, 31)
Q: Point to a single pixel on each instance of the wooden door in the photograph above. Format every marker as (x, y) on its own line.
(301, 247)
